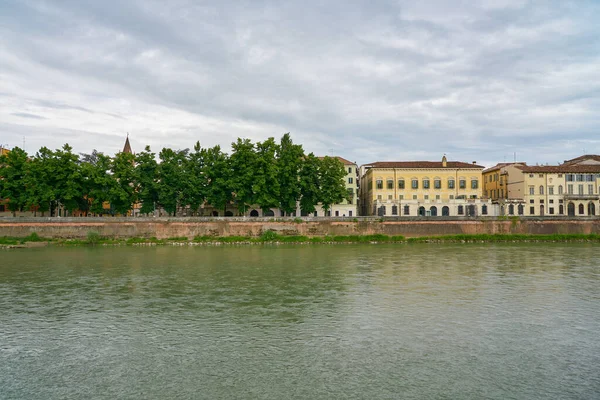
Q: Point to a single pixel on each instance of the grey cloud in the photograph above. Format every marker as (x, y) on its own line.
(377, 81)
(27, 115)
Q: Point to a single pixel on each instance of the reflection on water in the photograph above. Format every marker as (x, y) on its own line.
(308, 322)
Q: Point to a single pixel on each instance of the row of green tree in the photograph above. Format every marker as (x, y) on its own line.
(267, 174)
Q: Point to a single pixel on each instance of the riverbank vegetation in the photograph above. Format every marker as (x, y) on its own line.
(94, 239)
(268, 174)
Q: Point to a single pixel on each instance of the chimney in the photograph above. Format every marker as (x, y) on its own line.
(474, 162)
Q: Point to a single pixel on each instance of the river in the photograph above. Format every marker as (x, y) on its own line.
(385, 321)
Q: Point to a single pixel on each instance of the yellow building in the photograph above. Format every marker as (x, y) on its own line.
(423, 188)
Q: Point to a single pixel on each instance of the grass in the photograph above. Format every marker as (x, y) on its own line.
(269, 236)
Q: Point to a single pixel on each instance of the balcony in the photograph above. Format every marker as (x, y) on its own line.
(572, 196)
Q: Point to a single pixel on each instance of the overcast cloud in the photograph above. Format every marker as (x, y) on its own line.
(366, 80)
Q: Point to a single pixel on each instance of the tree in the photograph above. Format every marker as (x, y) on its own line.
(40, 181)
(265, 188)
(170, 179)
(123, 194)
(67, 178)
(146, 171)
(13, 169)
(333, 185)
(195, 186)
(289, 158)
(243, 163)
(310, 186)
(218, 176)
(98, 183)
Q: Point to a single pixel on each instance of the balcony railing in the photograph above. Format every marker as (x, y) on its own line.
(572, 196)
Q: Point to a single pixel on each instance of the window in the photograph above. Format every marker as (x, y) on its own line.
(541, 175)
(450, 183)
(390, 197)
(531, 210)
(560, 189)
(350, 180)
(390, 183)
(437, 183)
(581, 209)
(400, 183)
(461, 210)
(550, 190)
(426, 197)
(511, 209)
(590, 189)
(541, 189)
(570, 177)
(561, 209)
(580, 189)
(378, 197)
(379, 184)
(462, 184)
(349, 213)
(589, 178)
(349, 170)
(437, 196)
(414, 196)
(474, 183)
(531, 201)
(570, 189)
(401, 197)
(551, 210)
(414, 183)
(521, 209)
(580, 178)
(406, 210)
(451, 197)
(531, 190)
(485, 179)
(426, 183)
(394, 210)
(541, 201)
(560, 175)
(337, 213)
(484, 209)
(531, 175)
(551, 201)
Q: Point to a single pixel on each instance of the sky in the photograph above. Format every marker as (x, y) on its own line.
(486, 81)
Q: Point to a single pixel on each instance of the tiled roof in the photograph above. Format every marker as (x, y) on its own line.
(342, 160)
(422, 164)
(575, 169)
(585, 157)
(501, 165)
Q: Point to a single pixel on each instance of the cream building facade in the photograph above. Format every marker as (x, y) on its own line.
(569, 189)
(423, 188)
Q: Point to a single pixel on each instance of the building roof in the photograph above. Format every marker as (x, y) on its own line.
(422, 164)
(581, 159)
(502, 165)
(560, 169)
(342, 160)
(127, 147)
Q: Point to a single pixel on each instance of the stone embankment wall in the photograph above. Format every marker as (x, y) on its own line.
(163, 228)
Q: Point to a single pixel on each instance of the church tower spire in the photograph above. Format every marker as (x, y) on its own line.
(127, 147)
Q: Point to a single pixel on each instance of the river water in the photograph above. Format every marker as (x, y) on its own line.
(403, 321)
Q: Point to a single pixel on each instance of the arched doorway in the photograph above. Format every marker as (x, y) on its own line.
(229, 213)
(445, 211)
(254, 213)
(571, 209)
(215, 213)
(591, 209)
(269, 213)
(511, 209)
(421, 211)
(542, 210)
(581, 209)
(433, 211)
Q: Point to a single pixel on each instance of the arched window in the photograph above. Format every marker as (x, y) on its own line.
(560, 189)
(521, 209)
(581, 209)
(433, 211)
(445, 211)
(541, 189)
(591, 209)
(421, 211)
(254, 213)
